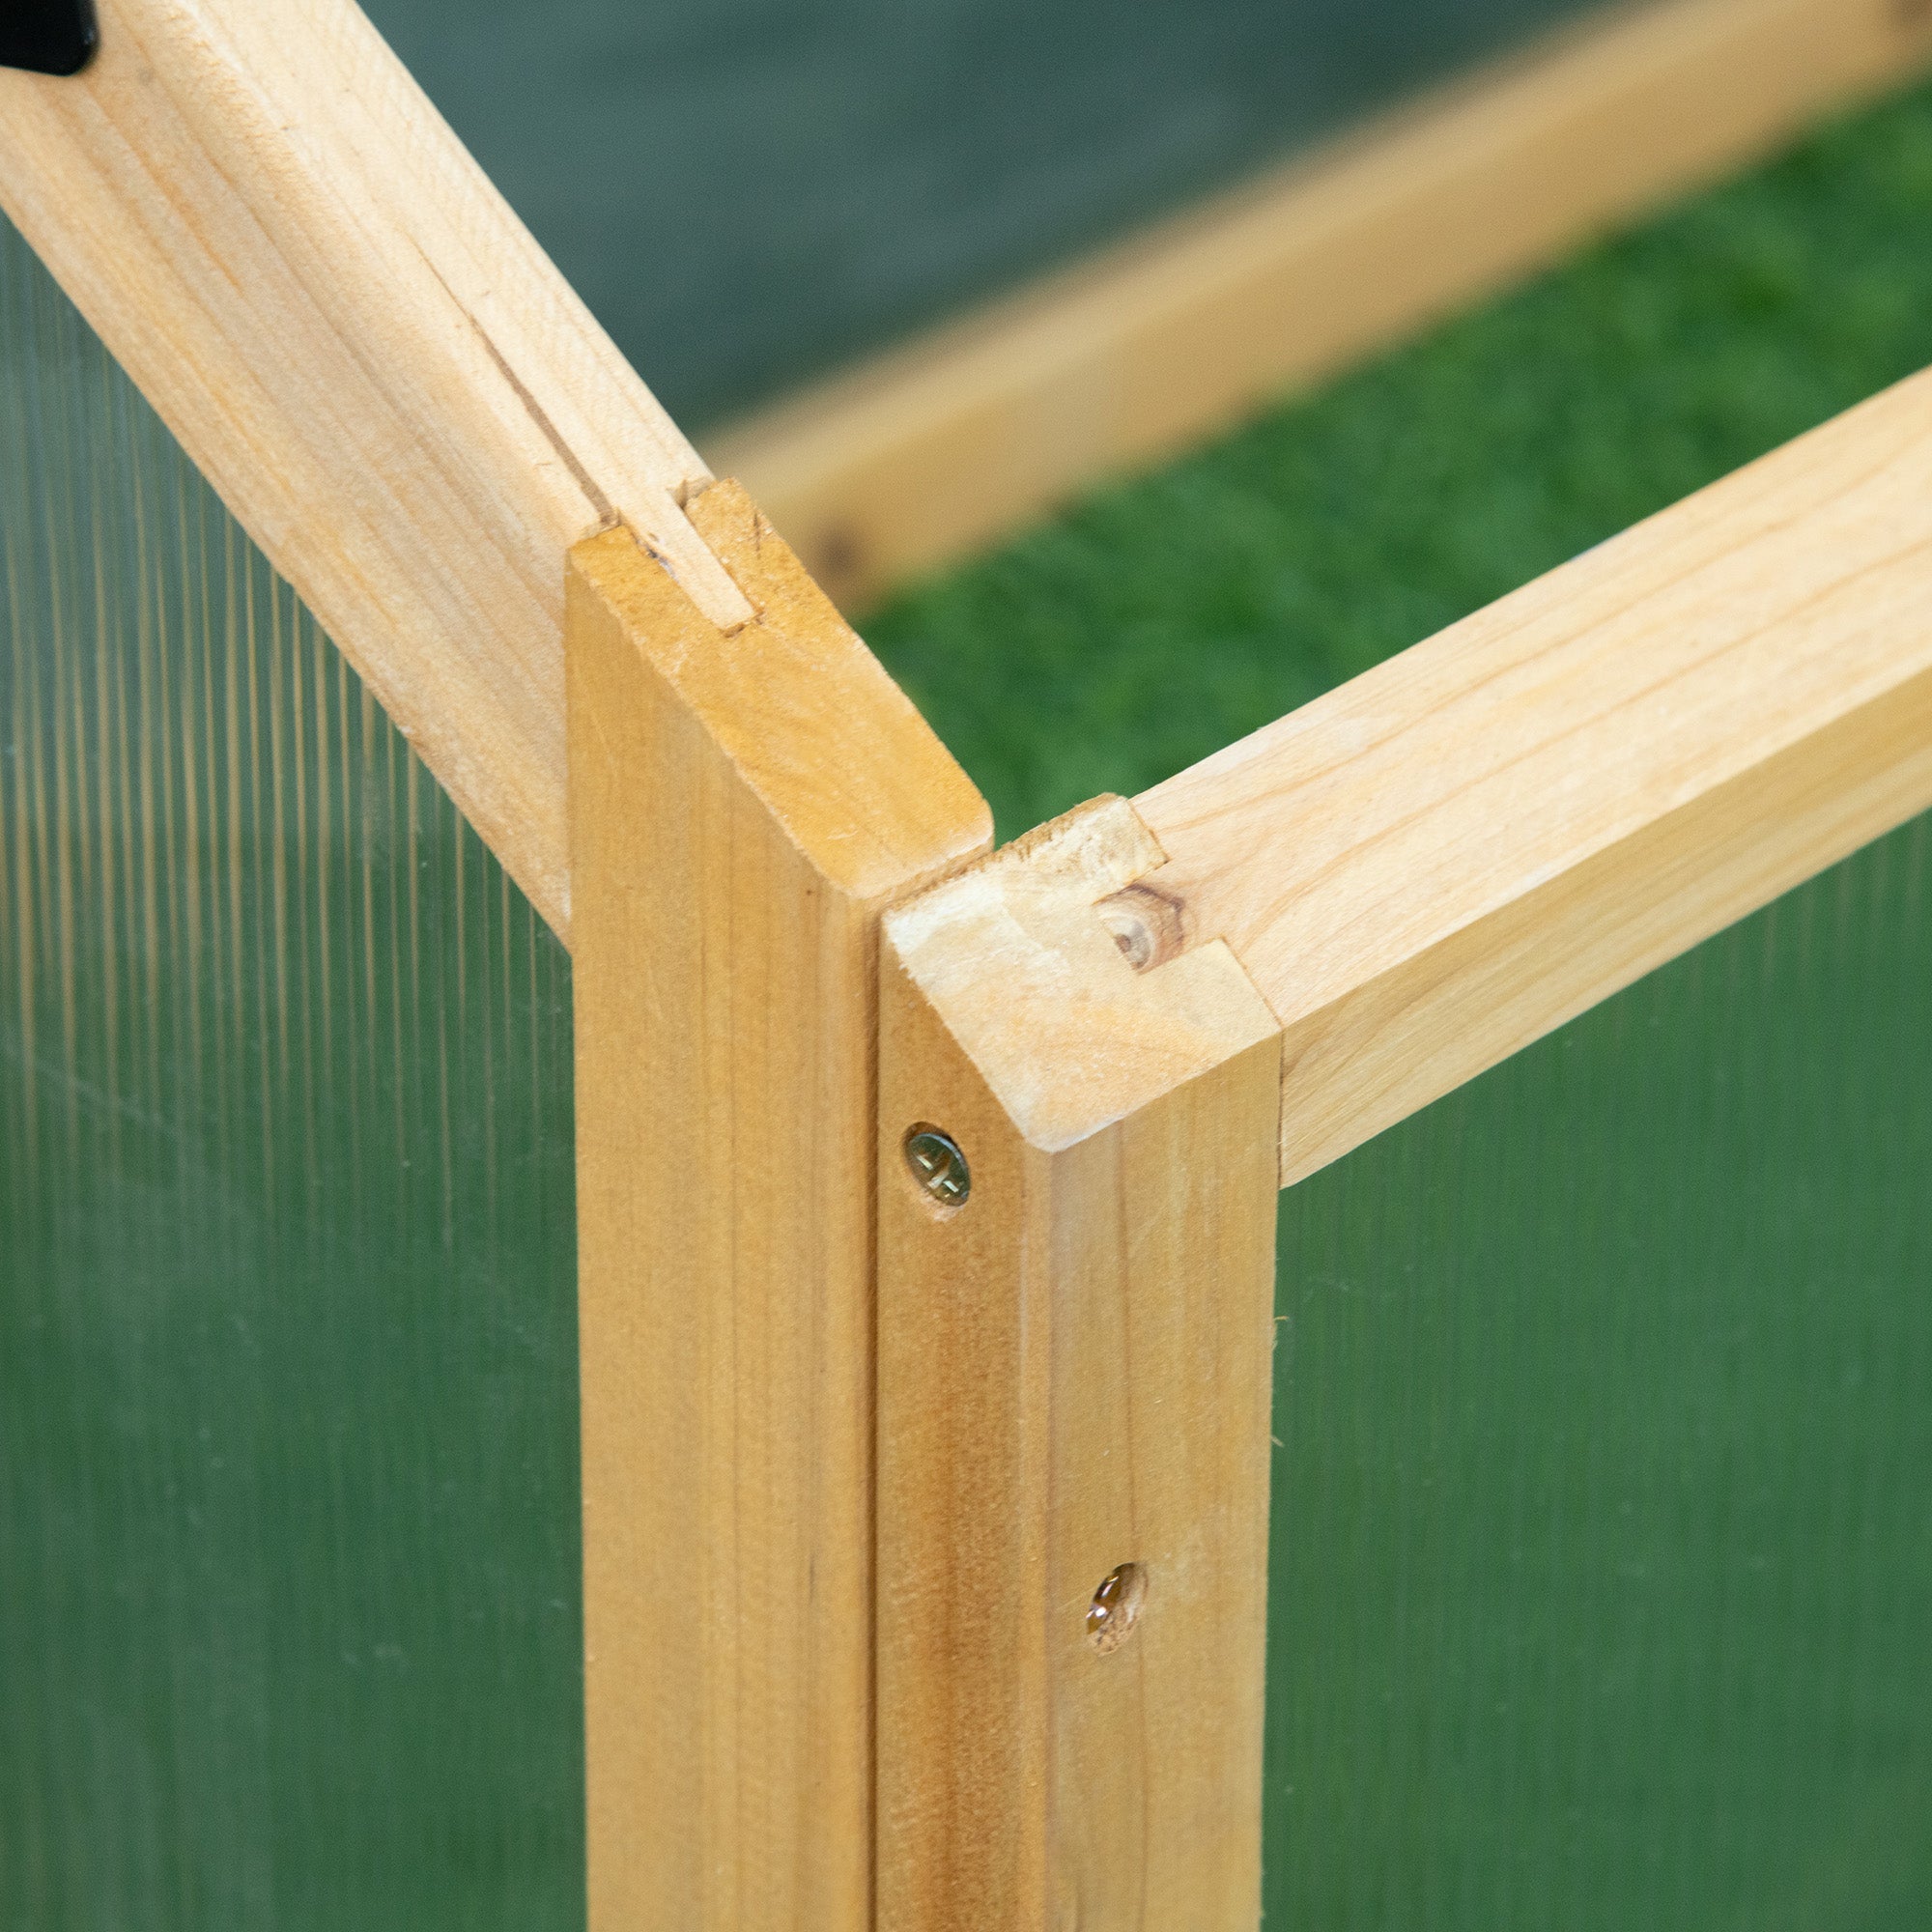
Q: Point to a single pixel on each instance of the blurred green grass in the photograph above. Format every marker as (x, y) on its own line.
(1171, 613)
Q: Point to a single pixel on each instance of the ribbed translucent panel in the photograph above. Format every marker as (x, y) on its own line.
(290, 1627)
(1603, 1574)
(1603, 1510)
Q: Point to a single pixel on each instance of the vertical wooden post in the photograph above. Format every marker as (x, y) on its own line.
(1074, 1377)
(742, 804)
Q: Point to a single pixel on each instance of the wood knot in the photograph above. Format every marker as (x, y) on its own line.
(1148, 925)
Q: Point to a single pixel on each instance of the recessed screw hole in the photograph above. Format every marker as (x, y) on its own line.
(1148, 925)
(935, 1160)
(1131, 936)
(1116, 1608)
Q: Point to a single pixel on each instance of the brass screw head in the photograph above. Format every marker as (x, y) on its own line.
(935, 1161)
(1116, 1608)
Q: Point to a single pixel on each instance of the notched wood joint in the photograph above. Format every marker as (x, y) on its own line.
(1022, 959)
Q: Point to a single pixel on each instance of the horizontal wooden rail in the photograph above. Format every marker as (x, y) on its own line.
(948, 440)
(1437, 863)
(351, 333)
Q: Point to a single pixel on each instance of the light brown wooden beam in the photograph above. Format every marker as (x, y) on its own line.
(742, 804)
(936, 447)
(1074, 1367)
(353, 336)
(1441, 860)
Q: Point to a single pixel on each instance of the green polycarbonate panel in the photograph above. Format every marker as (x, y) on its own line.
(1603, 1542)
(1601, 1579)
(289, 1628)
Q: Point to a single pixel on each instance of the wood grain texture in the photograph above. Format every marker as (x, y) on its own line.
(1073, 1376)
(1441, 860)
(941, 446)
(742, 803)
(361, 347)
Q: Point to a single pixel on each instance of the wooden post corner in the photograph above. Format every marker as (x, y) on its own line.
(742, 803)
(1076, 1275)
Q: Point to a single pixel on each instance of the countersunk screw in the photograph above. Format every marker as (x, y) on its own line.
(937, 1164)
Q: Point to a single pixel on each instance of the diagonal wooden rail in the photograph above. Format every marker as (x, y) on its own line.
(393, 390)
(926, 1196)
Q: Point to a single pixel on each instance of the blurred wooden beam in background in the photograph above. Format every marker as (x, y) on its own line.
(947, 442)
